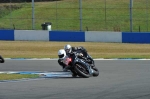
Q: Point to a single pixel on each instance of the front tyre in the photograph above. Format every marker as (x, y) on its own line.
(96, 72)
(82, 71)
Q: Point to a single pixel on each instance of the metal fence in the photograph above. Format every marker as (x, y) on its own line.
(76, 15)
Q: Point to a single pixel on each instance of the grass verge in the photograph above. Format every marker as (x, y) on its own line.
(41, 49)
(17, 76)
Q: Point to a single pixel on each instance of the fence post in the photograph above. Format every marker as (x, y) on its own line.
(131, 4)
(147, 13)
(33, 26)
(80, 10)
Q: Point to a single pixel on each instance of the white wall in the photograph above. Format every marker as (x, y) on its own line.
(31, 35)
(100, 36)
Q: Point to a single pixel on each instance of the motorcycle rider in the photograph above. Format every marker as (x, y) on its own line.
(62, 54)
(69, 50)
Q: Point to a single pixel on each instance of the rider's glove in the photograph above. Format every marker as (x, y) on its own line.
(80, 54)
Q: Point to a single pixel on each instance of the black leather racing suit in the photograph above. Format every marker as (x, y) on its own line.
(82, 50)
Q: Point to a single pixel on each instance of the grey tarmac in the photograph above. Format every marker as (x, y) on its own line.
(118, 79)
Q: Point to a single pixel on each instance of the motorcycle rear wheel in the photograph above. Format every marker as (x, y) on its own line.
(82, 71)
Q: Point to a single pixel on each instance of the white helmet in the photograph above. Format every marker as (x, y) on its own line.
(68, 48)
(61, 53)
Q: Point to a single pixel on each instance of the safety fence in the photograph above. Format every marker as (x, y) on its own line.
(75, 36)
(76, 15)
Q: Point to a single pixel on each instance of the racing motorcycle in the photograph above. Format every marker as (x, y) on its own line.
(1, 59)
(80, 66)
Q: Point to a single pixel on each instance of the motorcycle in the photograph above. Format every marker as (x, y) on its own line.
(80, 66)
(1, 59)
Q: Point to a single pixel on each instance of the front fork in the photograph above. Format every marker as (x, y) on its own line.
(91, 71)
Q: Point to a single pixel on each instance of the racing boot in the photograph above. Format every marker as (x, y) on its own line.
(66, 68)
(74, 75)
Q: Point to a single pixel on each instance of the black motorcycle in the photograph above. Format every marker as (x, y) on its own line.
(80, 66)
(1, 59)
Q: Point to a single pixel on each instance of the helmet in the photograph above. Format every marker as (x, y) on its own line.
(68, 48)
(61, 53)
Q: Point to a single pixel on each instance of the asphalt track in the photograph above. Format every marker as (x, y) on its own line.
(118, 79)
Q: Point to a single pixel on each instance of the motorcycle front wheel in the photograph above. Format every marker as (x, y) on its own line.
(82, 71)
(96, 72)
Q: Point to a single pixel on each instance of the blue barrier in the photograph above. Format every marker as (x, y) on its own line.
(7, 35)
(67, 36)
(135, 37)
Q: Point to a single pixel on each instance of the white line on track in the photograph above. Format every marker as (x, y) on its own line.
(57, 59)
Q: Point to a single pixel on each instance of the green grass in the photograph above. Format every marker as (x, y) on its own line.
(17, 76)
(64, 15)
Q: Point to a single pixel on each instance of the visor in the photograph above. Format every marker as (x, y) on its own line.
(61, 56)
(67, 50)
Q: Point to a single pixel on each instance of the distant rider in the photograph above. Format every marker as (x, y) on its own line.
(1, 59)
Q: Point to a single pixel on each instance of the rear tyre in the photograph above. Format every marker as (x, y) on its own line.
(82, 71)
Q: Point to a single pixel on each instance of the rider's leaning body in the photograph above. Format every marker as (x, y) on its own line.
(62, 55)
(82, 52)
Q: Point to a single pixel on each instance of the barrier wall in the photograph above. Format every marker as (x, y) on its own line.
(7, 35)
(31, 35)
(75, 36)
(95, 36)
(136, 37)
